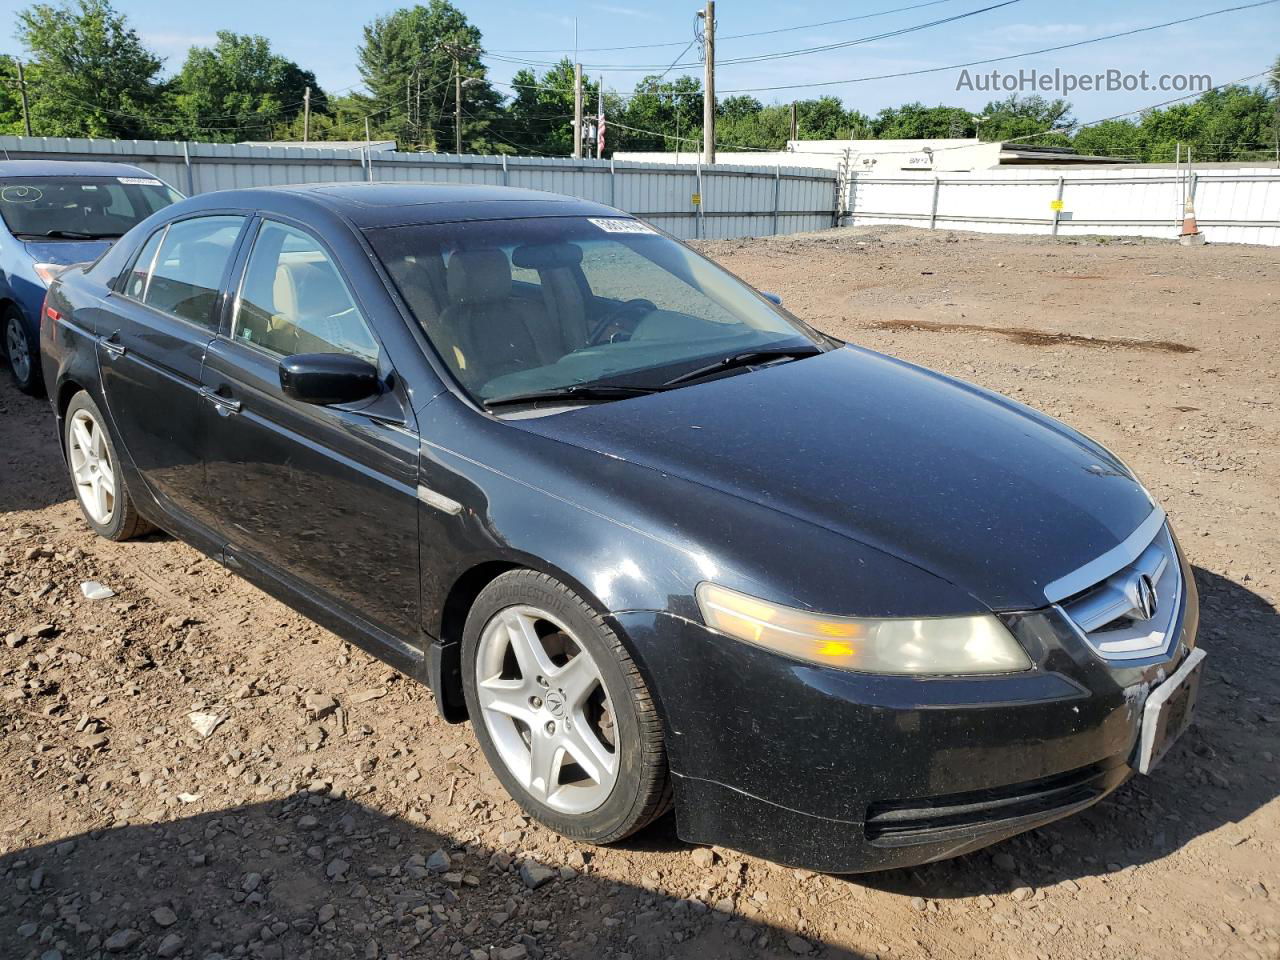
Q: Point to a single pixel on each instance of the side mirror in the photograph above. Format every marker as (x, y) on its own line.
(325, 378)
(771, 297)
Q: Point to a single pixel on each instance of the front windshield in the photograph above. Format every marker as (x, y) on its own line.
(79, 208)
(522, 306)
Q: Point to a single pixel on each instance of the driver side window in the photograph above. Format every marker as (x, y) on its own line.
(294, 300)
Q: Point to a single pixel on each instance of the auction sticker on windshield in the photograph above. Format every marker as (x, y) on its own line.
(611, 225)
(142, 181)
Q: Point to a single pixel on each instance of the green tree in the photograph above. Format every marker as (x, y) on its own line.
(663, 115)
(1230, 123)
(10, 97)
(742, 121)
(738, 107)
(238, 89)
(407, 62)
(539, 117)
(1019, 118)
(1273, 81)
(90, 75)
(915, 121)
(822, 119)
(1113, 138)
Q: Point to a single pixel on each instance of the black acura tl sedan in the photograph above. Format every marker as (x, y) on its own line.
(659, 540)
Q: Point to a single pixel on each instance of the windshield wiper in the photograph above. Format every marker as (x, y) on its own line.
(75, 235)
(576, 393)
(744, 359)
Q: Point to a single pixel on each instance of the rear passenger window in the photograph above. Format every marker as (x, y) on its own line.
(136, 285)
(189, 267)
(294, 300)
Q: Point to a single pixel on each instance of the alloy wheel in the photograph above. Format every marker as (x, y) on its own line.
(91, 466)
(547, 710)
(18, 349)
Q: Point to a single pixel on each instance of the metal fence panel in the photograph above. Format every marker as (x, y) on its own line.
(736, 201)
(1231, 206)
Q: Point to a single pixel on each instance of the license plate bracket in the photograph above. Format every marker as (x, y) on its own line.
(1168, 712)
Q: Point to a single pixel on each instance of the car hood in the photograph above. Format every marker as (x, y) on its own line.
(974, 488)
(65, 251)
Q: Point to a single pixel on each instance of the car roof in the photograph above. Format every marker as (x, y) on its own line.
(70, 168)
(373, 205)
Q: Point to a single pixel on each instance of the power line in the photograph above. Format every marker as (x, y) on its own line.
(1012, 56)
(952, 66)
(740, 36)
(781, 55)
(673, 136)
(882, 36)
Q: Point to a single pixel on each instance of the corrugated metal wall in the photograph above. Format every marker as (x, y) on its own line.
(1231, 205)
(737, 201)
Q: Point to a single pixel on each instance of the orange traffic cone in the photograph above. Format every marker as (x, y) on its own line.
(1190, 230)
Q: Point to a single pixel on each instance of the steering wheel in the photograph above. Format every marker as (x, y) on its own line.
(622, 320)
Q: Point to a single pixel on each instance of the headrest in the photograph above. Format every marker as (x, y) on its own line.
(202, 262)
(547, 256)
(478, 276)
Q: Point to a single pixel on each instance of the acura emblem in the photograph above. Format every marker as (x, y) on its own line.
(555, 702)
(1145, 597)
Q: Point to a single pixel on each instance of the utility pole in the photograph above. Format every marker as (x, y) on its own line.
(22, 87)
(306, 115)
(457, 51)
(795, 121)
(457, 106)
(709, 83)
(577, 110)
(600, 121)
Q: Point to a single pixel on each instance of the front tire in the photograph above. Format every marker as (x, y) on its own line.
(95, 473)
(561, 711)
(22, 352)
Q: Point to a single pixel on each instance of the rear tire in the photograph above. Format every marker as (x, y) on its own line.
(95, 473)
(561, 711)
(22, 352)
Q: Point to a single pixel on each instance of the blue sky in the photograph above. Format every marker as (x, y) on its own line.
(322, 35)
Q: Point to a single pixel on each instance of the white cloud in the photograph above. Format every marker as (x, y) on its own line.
(623, 11)
(176, 43)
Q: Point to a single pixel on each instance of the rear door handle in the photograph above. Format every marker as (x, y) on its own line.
(112, 345)
(224, 405)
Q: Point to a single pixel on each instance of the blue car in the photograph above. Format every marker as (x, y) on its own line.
(54, 213)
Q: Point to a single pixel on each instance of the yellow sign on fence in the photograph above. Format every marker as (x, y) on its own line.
(1056, 205)
(697, 199)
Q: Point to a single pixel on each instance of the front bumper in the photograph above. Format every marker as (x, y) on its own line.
(841, 772)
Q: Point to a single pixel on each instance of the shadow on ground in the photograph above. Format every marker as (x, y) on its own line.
(311, 877)
(32, 474)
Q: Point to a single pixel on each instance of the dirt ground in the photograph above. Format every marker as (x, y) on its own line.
(329, 813)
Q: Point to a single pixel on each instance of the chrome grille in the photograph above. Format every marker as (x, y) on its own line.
(1114, 615)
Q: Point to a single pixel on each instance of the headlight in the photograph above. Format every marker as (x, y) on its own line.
(947, 645)
(48, 272)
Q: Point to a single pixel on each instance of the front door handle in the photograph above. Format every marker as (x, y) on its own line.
(224, 405)
(112, 345)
